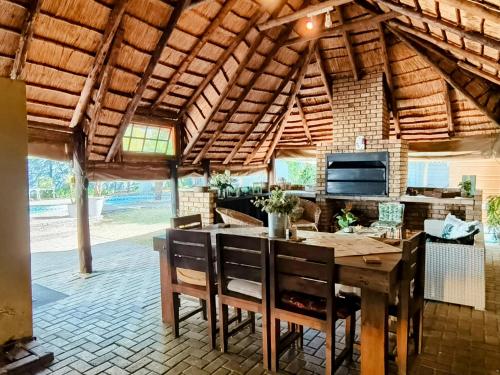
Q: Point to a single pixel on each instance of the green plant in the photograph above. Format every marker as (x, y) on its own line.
(222, 180)
(277, 202)
(346, 217)
(493, 213)
(466, 187)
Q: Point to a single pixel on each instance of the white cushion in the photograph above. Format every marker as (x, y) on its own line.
(249, 288)
(455, 228)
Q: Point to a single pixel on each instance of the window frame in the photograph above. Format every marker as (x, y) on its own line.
(158, 123)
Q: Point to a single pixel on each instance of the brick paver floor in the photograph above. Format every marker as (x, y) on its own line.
(110, 323)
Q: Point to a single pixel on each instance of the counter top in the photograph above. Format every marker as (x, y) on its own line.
(403, 198)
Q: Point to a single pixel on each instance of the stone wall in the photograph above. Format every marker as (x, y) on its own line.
(191, 202)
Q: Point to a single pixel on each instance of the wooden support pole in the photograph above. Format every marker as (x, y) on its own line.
(348, 45)
(174, 185)
(206, 171)
(82, 201)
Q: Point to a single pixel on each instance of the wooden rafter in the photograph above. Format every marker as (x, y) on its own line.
(291, 101)
(463, 53)
(274, 125)
(234, 109)
(303, 119)
(222, 60)
(348, 26)
(105, 80)
(420, 52)
(25, 39)
(348, 45)
(301, 13)
(443, 25)
(449, 112)
(390, 80)
(189, 58)
(475, 8)
(479, 72)
(107, 39)
(324, 76)
(141, 86)
(258, 119)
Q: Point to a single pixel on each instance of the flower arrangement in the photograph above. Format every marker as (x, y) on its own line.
(222, 181)
(466, 187)
(346, 217)
(277, 203)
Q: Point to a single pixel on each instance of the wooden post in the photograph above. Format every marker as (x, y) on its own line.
(174, 185)
(206, 171)
(82, 201)
(271, 174)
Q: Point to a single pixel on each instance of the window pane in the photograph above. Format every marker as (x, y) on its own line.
(128, 132)
(149, 145)
(126, 143)
(139, 131)
(136, 144)
(161, 147)
(164, 134)
(152, 133)
(170, 150)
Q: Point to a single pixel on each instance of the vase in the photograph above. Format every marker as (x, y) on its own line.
(277, 225)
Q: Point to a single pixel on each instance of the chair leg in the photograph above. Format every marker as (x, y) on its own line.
(418, 330)
(266, 345)
(251, 314)
(174, 313)
(275, 340)
(402, 332)
(330, 350)
(301, 337)
(203, 304)
(212, 321)
(238, 314)
(350, 333)
(223, 326)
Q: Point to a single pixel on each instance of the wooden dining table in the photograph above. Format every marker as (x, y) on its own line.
(378, 282)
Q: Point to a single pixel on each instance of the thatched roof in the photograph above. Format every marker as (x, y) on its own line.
(238, 90)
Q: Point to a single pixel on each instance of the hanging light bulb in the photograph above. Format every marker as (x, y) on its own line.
(328, 20)
(309, 24)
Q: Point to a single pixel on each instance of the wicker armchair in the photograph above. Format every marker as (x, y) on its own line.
(454, 273)
(238, 218)
(310, 216)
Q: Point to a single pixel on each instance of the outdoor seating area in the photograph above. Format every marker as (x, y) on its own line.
(250, 187)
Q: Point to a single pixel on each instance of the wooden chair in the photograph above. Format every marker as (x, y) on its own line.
(191, 250)
(186, 222)
(242, 277)
(302, 292)
(238, 218)
(310, 216)
(410, 306)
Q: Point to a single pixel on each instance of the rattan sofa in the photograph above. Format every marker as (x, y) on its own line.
(454, 273)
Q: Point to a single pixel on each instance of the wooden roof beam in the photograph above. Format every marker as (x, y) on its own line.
(390, 80)
(234, 109)
(107, 39)
(419, 52)
(303, 119)
(476, 9)
(301, 13)
(443, 25)
(189, 58)
(324, 76)
(103, 87)
(445, 45)
(277, 93)
(479, 72)
(348, 45)
(348, 26)
(141, 86)
(449, 112)
(25, 39)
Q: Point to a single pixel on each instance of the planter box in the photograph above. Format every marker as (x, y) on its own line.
(95, 207)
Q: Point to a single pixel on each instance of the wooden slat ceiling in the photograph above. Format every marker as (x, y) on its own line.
(240, 92)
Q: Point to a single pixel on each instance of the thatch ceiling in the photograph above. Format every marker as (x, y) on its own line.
(240, 92)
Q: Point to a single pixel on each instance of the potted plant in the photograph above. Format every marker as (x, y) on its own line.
(493, 216)
(221, 182)
(466, 188)
(346, 218)
(278, 206)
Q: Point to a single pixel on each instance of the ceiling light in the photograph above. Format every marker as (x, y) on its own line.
(309, 24)
(328, 20)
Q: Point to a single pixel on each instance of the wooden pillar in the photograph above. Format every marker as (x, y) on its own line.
(82, 201)
(206, 171)
(174, 184)
(271, 173)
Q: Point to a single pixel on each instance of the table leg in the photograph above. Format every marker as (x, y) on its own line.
(374, 333)
(166, 291)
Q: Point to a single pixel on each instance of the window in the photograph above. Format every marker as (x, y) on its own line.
(149, 139)
(296, 171)
(428, 174)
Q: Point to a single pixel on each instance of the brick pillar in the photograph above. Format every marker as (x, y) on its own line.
(191, 202)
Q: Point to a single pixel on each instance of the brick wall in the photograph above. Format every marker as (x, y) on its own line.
(191, 202)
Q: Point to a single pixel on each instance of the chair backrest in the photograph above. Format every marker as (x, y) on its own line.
(237, 218)
(301, 268)
(413, 270)
(190, 250)
(186, 222)
(312, 212)
(392, 212)
(241, 257)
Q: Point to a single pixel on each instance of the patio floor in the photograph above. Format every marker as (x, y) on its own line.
(110, 323)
